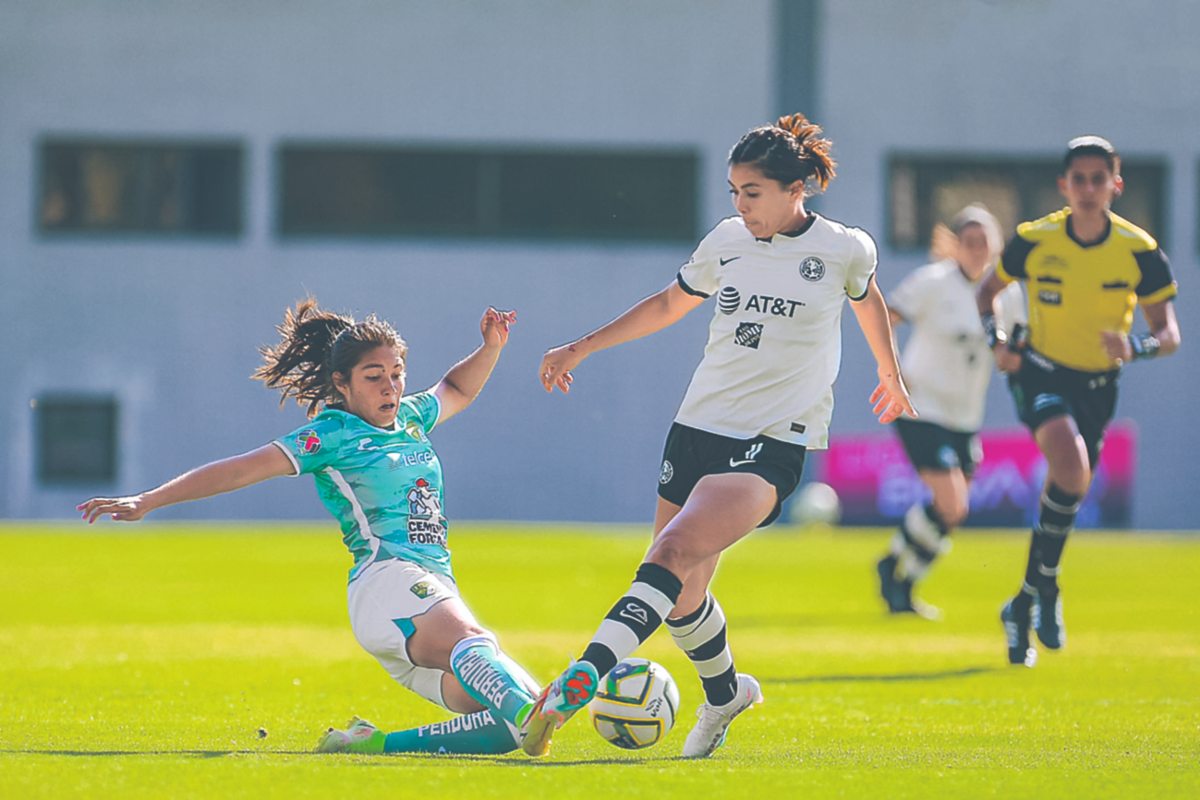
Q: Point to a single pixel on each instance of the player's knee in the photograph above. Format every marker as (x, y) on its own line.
(1072, 478)
(674, 553)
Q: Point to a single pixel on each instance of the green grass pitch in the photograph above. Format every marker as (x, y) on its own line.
(141, 661)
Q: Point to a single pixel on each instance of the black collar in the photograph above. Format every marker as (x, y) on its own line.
(1103, 237)
(797, 232)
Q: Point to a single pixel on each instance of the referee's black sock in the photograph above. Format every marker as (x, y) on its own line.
(635, 616)
(1056, 517)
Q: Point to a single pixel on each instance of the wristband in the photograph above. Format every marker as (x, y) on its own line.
(993, 334)
(1144, 346)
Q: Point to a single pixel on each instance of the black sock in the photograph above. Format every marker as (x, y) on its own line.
(635, 616)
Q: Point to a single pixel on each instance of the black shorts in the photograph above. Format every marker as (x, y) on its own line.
(1044, 389)
(690, 454)
(930, 446)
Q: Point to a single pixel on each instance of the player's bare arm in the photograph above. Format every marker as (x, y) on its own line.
(217, 477)
(466, 379)
(890, 398)
(650, 315)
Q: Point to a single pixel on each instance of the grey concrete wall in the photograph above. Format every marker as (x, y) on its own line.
(171, 326)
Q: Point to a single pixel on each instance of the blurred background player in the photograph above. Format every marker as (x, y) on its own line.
(1085, 268)
(947, 366)
(367, 448)
(760, 397)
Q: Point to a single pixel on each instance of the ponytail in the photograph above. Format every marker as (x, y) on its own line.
(790, 150)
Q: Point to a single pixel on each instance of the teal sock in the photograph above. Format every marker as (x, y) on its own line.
(470, 734)
(492, 679)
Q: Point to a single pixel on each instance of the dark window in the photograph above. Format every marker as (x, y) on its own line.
(140, 187)
(76, 439)
(925, 190)
(391, 191)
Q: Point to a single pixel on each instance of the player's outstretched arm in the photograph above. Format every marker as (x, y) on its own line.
(650, 315)
(465, 380)
(213, 478)
(890, 398)
(1163, 340)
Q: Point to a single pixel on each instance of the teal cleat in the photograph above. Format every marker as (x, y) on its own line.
(561, 698)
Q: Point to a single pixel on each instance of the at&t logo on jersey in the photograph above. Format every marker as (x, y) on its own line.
(812, 269)
(729, 300)
(308, 442)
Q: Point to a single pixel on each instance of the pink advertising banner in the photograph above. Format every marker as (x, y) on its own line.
(877, 484)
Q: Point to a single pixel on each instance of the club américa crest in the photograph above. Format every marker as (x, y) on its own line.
(308, 441)
(812, 269)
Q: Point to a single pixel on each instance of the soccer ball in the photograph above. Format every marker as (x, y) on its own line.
(636, 704)
(816, 504)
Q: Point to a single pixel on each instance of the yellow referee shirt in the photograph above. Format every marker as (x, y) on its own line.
(1076, 291)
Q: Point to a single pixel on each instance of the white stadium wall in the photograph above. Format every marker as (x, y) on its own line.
(170, 326)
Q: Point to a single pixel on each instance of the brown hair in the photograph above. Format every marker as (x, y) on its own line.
(790, 150)
(315, 344)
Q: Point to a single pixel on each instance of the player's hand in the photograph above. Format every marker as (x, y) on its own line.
(122, 509)
(1007, 361)
(557, 365)
(1117, 346)
(495, 326)
(890, 399)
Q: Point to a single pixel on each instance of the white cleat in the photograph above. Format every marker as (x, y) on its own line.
(713, 721)
(360, 736)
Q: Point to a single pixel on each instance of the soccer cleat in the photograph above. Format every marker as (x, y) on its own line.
(898, 593)
(360, 736)
(712, 722)
(561, 698)
(1048, 619)
(1016, 631)
(887, 580)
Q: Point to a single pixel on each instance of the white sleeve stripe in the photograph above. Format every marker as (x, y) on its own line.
(437, 417)
(290, 457)
(364, 527)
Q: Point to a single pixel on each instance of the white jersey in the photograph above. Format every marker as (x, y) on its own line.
(946, 362)
(774, 343)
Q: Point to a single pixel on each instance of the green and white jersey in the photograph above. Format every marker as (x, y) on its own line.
(384, 487)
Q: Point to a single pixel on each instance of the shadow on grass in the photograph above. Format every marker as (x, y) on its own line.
(194, 753)
(897, 677)
(381, 760)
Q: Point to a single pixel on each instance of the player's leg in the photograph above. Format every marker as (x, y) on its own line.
(1068, 474)
(1067, 477)
(421, 632)
(719, 511)
(923, 536)
(944, 461)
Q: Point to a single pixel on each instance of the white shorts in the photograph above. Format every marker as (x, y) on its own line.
(383, 602)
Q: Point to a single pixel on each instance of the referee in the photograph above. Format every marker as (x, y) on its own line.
(1085, 268)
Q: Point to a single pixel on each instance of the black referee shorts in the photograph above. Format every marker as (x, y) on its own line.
(690, 454)
(1044, 389)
